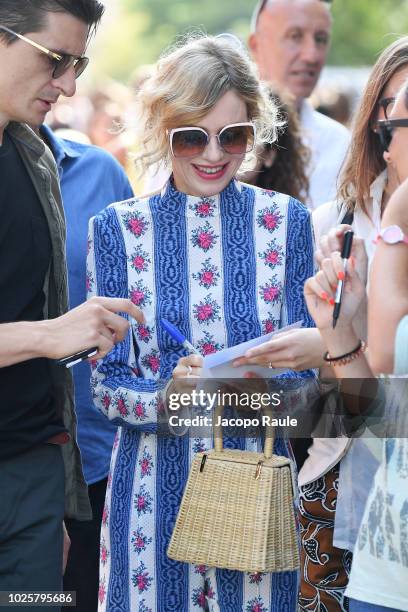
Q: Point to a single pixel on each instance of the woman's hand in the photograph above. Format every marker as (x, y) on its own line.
(295, 349)
(186, 373)
(320, 292)
(333, 241)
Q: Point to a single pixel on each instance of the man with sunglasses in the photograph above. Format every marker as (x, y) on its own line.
(289, 41)
(41, 53)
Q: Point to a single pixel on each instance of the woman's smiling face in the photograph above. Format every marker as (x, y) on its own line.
(209, 173)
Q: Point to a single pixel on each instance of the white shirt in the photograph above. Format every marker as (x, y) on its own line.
(325, 453)
(328, 141)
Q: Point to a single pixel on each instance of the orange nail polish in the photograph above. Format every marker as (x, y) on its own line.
(324, 295)
(341, 276)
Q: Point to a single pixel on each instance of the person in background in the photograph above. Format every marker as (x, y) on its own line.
(379, 576)
(42, 49)
(281, 166)
(90, 180)
(224, 262)
(289, 42)
(367, 183)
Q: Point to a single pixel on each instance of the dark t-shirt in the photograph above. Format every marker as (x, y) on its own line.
(27, 412)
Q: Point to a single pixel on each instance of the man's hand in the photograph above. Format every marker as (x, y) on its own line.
(93, 323)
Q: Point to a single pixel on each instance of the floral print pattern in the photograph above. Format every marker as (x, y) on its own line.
(204, 237)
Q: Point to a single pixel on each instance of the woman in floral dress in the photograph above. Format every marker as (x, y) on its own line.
(223, 261)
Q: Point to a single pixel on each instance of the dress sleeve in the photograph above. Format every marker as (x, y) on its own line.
(118, 390)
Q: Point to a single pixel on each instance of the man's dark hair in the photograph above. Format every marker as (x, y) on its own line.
(24, 16)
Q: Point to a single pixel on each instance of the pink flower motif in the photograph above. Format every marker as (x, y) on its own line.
(89, 282)
(121, 406)
(141, 502)
(139, 410)
(136, 224)
(152, 361)
(199, 598)
(256, 605)
(269, 325)
(270, 221)
(204, 237)
(204, 209)
(207, 278)
(205, 240)
(137, 296)
(106, 400)
(207, 345)
(204, 312)
(139, 262)
(144, 333)
(104, 554)
(270, 293)
(154, 364)
(200, 569)
(146, 463)
(141, 578)
(208, 348)
(101, 592)
(272, 257)
(256, 578)
(269, 218)
(105, 515)
(109, 483)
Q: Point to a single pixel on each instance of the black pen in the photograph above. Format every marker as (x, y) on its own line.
(345, 254)
(72, 360)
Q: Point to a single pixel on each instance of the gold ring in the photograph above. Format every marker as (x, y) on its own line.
(189, 370)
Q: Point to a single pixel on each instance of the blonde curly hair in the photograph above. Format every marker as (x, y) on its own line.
(187, 83)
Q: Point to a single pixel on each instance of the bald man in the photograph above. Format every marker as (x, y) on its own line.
(289, 42)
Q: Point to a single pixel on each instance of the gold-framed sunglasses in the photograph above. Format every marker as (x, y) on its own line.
(61, 62)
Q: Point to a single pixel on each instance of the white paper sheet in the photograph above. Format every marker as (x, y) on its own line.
(219, 365)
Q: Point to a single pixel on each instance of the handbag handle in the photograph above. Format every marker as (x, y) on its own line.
(269, 434)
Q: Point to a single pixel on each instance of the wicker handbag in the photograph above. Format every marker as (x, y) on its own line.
(237, 511)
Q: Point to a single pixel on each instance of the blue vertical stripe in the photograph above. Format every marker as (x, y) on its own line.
(172, 303)
(240, 299)
(120, 511)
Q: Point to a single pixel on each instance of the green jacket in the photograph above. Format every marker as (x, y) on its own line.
(42, 170)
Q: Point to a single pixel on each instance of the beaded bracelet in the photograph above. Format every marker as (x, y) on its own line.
(347, 357)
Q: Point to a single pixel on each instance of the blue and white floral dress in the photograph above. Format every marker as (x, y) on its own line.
(223, 269)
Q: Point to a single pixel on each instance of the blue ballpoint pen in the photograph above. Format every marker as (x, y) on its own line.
(178, 337)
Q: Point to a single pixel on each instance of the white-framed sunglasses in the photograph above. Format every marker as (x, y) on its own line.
(234, 139)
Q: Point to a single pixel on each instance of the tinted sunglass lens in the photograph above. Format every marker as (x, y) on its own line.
(237, 140)
(80, 66)
(188, 143)
(385, 134)
(62, 65)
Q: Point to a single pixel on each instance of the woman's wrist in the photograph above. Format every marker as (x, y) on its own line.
(339, 341)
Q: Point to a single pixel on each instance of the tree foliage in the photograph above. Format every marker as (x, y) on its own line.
(142, 29)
